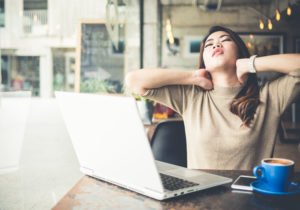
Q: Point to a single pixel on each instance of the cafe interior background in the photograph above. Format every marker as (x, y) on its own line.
(89, 46)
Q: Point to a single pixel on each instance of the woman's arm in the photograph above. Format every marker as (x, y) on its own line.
(282, 91)
(283, 63)
(142, 80)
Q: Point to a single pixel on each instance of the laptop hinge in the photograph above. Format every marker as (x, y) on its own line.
(86, 170)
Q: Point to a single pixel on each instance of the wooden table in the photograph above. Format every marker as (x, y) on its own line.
(90, 193)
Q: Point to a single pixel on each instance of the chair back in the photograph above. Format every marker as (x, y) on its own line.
(169, 143)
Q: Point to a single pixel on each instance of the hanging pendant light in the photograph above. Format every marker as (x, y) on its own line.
(289, 10)
(270, 25)
(261, 24)
(277, 15)
(169, 31)
(277, 12)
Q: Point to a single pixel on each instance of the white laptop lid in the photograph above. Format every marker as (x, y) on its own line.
(109, 138)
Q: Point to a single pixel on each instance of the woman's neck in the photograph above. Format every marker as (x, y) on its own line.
(225, 78)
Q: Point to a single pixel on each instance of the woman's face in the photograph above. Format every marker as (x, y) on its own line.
(220, 52)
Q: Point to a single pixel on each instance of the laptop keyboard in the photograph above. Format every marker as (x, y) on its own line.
(173, 183)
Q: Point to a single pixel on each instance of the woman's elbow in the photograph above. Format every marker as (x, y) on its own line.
(133, 83)
(132, 80)
(129, 79)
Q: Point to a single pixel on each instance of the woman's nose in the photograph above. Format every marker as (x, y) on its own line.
(218, 44)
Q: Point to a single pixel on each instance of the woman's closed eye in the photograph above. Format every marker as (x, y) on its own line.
(207, 45)
(227, 39)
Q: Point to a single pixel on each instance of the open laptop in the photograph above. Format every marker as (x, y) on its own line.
(111, 144)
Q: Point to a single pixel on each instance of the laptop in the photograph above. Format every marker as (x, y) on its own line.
(110, 142)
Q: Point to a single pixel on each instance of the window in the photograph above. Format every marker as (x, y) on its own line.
(63, 69)
(101, 65)
(35, 4)
(35, 17)
(26, 75)
(20, 73)
(2, 13)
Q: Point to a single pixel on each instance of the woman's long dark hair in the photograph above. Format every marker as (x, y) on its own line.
(246, 101)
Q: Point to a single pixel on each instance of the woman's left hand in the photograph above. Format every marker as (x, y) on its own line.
(242, 69)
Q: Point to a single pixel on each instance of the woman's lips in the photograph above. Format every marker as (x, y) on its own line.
(217, 51)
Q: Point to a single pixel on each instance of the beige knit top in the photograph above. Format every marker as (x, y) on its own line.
(215, 138)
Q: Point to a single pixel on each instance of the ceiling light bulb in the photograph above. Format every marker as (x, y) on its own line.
(171, 39)
(168, 21)
(277, 15)
(289, 11)
(168, 25)
(261, 24)
(270, 25)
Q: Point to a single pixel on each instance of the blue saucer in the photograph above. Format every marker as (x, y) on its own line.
(261, 187)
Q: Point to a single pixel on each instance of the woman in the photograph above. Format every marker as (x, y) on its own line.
(230, 121)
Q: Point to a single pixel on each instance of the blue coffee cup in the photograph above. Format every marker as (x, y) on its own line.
(276, 173)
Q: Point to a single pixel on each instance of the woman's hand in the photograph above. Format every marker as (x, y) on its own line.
(202, 78)
(242, 69)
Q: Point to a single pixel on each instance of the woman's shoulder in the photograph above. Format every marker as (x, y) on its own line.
(193, 89)
(184, 88)
(274, 79)
(171, 90)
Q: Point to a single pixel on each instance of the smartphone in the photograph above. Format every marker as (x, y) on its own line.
(243, 182)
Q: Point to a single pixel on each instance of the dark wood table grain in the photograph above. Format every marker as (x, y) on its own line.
(90, 193)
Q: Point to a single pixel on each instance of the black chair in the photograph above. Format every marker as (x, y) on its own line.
(169, 143)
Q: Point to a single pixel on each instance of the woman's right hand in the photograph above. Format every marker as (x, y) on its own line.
(202, 78)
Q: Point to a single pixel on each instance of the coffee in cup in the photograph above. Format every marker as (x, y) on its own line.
(276, 173)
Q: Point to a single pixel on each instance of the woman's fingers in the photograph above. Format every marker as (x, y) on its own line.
(202, 79)
(206, 83)
(204, 73)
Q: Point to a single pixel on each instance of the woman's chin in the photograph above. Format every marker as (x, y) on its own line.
(220, 67)
(215, 69)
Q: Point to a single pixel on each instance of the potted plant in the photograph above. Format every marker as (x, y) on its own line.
(100, 86)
